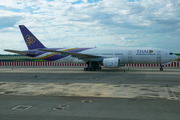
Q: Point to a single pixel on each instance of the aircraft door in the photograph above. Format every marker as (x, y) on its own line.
(129, 56)
(158, 56)
(158, 59)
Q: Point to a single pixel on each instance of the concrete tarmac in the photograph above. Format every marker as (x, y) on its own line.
(43, 107)
(69, 93)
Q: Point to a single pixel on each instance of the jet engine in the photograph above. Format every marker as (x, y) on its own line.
(111, 62)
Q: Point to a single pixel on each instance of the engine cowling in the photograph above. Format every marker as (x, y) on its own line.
(111, 62)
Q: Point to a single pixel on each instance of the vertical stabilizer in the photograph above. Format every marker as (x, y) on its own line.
(31, 41)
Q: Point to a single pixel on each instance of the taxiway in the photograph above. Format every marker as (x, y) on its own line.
(69, 93)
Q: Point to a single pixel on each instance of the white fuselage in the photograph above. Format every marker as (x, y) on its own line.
(126, 55)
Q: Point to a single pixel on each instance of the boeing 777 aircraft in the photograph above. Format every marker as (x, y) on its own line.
(94, 57)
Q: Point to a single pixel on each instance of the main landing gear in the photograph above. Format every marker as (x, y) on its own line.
(161, 68)
(92, 66)
(89, 69)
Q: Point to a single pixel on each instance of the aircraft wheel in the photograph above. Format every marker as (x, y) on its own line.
(89, 69)
(85, 69)
(161, 69)
(93, 69)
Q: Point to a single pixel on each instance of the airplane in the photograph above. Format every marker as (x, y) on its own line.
(94, 57)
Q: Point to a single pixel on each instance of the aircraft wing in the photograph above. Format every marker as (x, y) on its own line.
(78, 55)
(21, 52)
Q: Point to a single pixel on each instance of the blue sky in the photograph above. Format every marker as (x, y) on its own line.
(89, 23)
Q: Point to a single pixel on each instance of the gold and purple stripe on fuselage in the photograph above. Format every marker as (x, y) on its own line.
(55, 56)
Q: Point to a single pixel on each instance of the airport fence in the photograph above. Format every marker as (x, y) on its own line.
(173, 64)
(39, 64)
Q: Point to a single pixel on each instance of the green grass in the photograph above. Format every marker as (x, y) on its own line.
(178, 59)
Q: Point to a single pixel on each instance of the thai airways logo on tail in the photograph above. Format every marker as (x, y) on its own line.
(30, 40)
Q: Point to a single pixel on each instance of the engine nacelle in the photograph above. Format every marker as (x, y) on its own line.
(111, 62)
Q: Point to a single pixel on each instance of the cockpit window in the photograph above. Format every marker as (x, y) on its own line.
(171, 54)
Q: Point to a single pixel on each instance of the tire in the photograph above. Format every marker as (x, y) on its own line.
(161, 69)
(93, 69)
(89, 69)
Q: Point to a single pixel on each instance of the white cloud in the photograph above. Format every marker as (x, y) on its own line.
(114, 23)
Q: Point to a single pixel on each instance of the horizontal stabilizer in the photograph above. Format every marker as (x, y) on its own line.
(20, 52)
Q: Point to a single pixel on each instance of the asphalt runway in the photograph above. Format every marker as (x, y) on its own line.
(123, 75)
(69, 93)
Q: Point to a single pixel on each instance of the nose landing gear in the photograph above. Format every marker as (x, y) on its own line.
(161, 68)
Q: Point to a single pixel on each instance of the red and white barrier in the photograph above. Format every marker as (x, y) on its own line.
(173, 64)
(39, 64)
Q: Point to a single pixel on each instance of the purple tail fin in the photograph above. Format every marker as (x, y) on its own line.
(31, 41)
